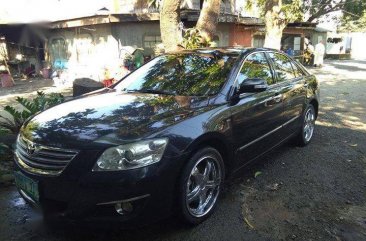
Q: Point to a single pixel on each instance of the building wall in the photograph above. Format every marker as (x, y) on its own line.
(84, 51)
(89, 51)
(135, 34)
(240, 35)
(317, 36)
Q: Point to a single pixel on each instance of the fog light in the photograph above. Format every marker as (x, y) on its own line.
(123, 208)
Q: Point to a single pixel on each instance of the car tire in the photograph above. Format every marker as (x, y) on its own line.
(307, 126)
(200, 185)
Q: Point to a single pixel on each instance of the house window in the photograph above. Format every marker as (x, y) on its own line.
(258, 41)
(150, 41)
(297, 43)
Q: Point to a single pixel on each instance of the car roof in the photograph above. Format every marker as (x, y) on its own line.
(231, 50)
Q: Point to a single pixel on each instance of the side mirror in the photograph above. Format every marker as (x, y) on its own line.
(253, 85)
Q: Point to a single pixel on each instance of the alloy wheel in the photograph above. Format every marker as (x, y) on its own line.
(309, 124)
(203, 186)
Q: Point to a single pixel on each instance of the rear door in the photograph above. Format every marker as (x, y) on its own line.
(256, 117)
(291, 81)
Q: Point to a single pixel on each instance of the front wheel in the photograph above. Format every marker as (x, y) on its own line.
(201, 184)
(307, 127)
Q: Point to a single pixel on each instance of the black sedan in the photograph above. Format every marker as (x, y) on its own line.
(166, 137)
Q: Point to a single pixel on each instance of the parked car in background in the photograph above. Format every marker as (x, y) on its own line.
(166, 137)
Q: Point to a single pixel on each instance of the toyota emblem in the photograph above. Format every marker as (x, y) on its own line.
(31, 148)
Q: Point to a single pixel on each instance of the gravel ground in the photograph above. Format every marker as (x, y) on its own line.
(313, 193)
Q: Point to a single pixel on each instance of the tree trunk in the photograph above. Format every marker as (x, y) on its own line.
(4, 57)
(171, 35)
(208, 19)
(275, 23)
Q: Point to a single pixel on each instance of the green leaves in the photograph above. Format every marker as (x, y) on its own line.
(353, 24)
(193, 39)
(289, 10)
(256, 174)
(29, 108)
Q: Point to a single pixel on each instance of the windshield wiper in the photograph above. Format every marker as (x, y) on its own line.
(150, 91)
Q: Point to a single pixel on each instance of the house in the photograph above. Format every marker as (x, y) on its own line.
(94, 46)
(22, 47)
(90, 46)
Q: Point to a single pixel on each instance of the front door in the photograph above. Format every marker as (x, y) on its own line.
(256, 117)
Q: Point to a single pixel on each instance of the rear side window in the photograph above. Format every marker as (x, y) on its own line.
(256, 66)
(282, 66)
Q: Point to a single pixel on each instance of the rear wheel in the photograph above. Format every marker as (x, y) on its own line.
(201, 184)
(307, 127)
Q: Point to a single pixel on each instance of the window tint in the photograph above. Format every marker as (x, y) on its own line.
(188, 74)
(283, 66)
(256, 66)
(298, 71)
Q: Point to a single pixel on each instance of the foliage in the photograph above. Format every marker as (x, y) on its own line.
(290, 10)
(349, 24)
(5, 150)
(155, 3)
(354, 17)
(30, 107)
(256, 174)
(315, 9)
(193, 39)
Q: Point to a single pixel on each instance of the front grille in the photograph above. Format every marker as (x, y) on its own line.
(41, 159)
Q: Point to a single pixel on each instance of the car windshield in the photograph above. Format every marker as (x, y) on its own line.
(189, 74)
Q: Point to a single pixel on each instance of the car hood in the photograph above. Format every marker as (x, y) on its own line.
(109, 118)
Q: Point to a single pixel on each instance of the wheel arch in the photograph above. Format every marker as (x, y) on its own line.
(215, 140)
(314, 102)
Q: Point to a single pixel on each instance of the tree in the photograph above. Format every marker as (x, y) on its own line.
(169, 24)
(171, 34)
(208, 19)
(315, 9)
(352, 24)
(276, 15)
(354, 17)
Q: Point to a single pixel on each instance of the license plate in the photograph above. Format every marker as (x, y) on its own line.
(29, 186)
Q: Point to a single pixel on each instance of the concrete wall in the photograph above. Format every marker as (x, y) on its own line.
(89, 51)
(317, 36)
(358, 50)
(241, 35)
(132, 34)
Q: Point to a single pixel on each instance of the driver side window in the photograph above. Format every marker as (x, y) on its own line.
(256, 66)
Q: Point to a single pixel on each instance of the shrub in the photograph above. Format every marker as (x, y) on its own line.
(193, 39)
(30, 107)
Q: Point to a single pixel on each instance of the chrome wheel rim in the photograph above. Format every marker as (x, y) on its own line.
(309, 124)
(203, 186)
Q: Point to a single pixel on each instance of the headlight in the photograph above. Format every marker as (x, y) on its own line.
(130, 156)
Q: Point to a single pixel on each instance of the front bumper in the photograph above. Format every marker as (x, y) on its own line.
(80, 194)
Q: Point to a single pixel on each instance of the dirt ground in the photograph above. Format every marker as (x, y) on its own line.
(313, 193)
(29, 88)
